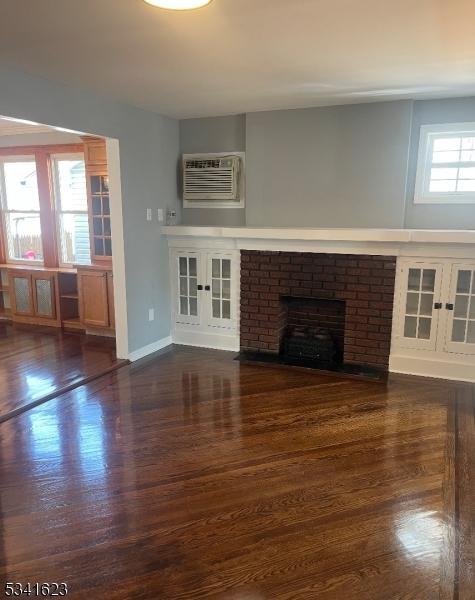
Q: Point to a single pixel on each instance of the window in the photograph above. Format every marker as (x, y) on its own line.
(446, 164)
(21, 209)
(71, 209)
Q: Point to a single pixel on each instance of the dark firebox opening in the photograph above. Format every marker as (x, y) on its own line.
(313, 329)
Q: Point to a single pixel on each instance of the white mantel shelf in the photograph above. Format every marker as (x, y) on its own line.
(441, 236)
(396, 242)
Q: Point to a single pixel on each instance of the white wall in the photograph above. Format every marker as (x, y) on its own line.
(149, 150)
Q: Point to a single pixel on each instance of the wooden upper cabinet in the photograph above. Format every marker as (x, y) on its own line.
(95, 153)
(97, 179)
(93, 298)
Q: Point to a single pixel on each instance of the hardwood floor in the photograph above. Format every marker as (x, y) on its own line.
(193, 476)
(37, 363)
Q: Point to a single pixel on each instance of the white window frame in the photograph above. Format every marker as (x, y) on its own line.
(6, 211)
(57, 201)
(428, 134)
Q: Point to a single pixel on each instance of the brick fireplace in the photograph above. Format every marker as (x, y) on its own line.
(277, 288)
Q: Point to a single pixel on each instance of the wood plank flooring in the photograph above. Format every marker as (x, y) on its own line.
(193, 476)
(37, 363)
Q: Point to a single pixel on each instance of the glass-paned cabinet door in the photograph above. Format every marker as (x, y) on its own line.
(461, 310)
(420, 305)
(221, 278)
(187, 271)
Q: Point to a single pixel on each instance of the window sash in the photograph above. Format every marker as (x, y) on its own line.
(5, 212)
(425, 163)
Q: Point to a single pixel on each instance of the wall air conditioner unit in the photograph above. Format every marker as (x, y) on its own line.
(213, 180)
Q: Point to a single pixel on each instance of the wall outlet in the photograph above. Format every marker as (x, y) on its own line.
(149, 214)
(151, 314)
(160, 215)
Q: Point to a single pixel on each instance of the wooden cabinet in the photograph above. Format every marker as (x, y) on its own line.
(33, 297)
(96, 298)
(97, 180)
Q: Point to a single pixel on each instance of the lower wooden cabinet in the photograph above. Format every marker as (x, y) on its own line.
(33, 297)
(96, 298)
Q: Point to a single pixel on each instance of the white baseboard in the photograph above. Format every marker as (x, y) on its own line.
(410, 365)
(150, 349)
(216, 341)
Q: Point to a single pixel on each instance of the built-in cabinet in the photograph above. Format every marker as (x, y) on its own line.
(205, 293)
(33, 296)
(434, 318)
(96, 298)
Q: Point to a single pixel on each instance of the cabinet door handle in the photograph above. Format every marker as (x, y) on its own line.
(207, 288)
(437, 305)
(449, 306)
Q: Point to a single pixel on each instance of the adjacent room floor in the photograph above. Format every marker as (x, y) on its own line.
(190, 475)
(37, 363)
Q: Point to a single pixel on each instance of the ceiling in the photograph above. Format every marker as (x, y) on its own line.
(246, 55)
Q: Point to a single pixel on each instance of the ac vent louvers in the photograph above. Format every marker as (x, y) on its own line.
(211, 178)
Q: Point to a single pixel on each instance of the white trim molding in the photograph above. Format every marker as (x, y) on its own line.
(150, 349)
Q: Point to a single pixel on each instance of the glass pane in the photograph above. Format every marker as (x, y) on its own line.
(410, 327)
(226, 265)
(97, 226)
(466, 185)
(108, 247)
(72, 185)
(427, 301)
(107, 226)
(216, 288)
(444, 173)
(183, 265)
(95, 184)
(443, 185)
(105, 206)
(183, 286)
(216, 267)
(22, 294)
(471, 332)
(463, 282)
(193, 287)
(467, 155)
(226, 289)
(43, 297)
(471, 313)
(193, 264)
(216, 309)
(428, 280)
(226, 309)
(458, 331)
(74, 242)
(98, 246)
(446, 156)
(183, 306)
(468, 143)
(96, 205)
(424, 328)
(105, 184)
(193, 307)
(412, 304)
(21, 186)
(24, 236)
(414, 280)
(461, 306)
(451, 143)
(467, 173)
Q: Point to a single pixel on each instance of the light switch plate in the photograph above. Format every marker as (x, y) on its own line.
(151, 314)
(160, 215)
(149, 214)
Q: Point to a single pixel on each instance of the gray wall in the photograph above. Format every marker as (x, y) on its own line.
(340, 166)
(218, 134)
(149, 150)
(437, 216)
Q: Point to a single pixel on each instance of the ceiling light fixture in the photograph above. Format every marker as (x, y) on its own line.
(178, 4)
